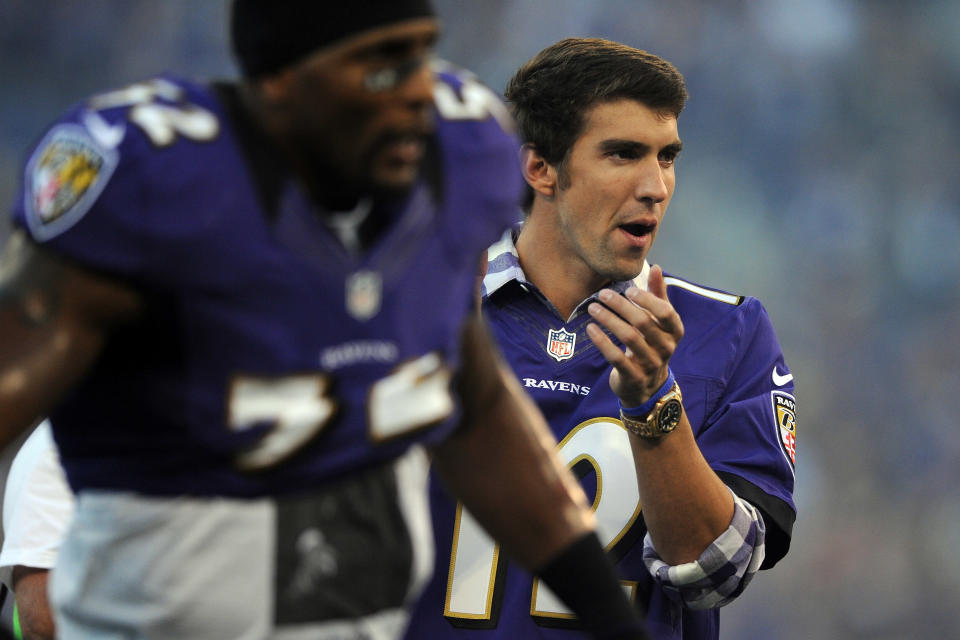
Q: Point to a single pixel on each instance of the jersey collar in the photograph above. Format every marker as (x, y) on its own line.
(503, 266)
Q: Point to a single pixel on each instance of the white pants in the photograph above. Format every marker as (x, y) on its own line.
(209, 568)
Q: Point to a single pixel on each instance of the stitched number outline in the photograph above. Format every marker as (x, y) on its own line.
(292, 410)
(473, 101)
(162, 122)
(472, 580)
(295, 408)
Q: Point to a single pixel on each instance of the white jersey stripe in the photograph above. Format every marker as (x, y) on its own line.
(707, 293)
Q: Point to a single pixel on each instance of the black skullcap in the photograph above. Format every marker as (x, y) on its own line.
(269, 35)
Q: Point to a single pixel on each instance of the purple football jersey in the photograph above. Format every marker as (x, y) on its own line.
(738, 396)
(270, 358)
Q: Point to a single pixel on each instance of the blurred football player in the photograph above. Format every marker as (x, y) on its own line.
(247, 310)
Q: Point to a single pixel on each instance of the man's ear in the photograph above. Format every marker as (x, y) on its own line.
(539, 174)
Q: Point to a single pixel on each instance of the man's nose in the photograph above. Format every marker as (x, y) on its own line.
(652, 181)
(417, 88)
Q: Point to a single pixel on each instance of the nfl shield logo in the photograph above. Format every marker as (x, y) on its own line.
(560, 344)
(363, 294)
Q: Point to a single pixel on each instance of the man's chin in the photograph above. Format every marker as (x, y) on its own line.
(625, 271)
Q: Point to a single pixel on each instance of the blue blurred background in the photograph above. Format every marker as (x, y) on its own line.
(819, 173)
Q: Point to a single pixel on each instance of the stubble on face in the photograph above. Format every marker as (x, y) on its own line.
(618, 182)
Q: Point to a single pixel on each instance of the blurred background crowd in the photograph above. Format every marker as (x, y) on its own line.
(819, 174)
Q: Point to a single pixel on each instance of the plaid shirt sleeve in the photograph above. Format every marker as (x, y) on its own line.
(722, 571)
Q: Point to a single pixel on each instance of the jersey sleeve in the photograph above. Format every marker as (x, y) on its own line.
(76, 194)
(37, 506)
(749, 438)
(93, 185)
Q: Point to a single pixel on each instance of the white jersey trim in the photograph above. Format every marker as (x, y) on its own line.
(707, 293)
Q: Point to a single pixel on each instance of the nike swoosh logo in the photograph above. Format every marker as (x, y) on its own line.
(780, 380)
(107, 135)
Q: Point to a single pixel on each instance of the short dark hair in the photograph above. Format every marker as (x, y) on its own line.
(551, 94)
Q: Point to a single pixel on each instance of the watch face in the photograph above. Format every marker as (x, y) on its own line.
(669, 416)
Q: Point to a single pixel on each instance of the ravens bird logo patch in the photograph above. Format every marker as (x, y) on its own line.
(785, 412)
(64, 177)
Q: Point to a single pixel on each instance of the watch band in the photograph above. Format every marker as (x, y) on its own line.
(661, 420)
(644, 409)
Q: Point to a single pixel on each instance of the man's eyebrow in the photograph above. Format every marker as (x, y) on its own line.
(621, 145)
(673, 148)
(637, 148)
(396, 46)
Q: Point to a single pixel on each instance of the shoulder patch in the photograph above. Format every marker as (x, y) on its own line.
(729, 298)
(785, 413)
(64, 177)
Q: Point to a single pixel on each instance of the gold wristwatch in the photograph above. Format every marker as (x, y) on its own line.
(662, 419)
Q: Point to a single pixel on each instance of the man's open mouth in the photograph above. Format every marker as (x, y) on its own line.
(637, 229)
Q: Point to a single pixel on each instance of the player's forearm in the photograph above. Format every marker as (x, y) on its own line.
(685, 505)
(33, 608)
(36, 365)
(503, 464)
(505, 470)
(54, 320)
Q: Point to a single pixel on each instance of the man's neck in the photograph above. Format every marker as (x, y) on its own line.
(558, 274)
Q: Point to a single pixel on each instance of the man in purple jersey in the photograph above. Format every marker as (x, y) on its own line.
(247, 310)
(670, 400)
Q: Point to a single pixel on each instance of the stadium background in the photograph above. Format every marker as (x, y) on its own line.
(822, 151)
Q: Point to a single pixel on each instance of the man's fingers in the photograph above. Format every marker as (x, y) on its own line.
(646, 349)
(630, 378)
(659, 332)
(610, 351)
(655, 282)
(659, 309)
